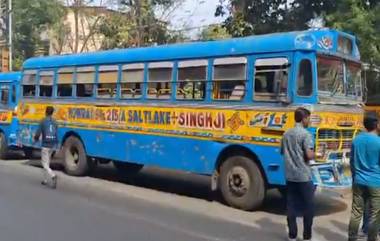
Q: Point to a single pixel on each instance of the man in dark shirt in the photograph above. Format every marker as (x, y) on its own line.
(48, 130)
(297, 148)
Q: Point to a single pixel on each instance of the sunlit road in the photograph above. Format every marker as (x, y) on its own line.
(97, 209)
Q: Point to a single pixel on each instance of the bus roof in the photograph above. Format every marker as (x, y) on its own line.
(325, 40)
(10, 76)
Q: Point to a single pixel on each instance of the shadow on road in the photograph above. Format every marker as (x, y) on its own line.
(197, 186)
(14, 155)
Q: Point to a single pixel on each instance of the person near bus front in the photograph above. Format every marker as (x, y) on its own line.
(297, 148)
(48, 130)
(365, 168)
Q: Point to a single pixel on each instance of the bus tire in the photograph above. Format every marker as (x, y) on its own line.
(127, 168)
(241, 183)
(75, 160)
(3, 146)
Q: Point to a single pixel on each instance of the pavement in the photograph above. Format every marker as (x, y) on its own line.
(157, 204)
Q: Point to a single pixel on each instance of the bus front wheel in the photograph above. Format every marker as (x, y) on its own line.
(75, 158)
(241, 183)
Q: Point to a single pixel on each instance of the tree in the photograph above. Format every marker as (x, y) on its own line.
(137, 24)
(214, 32)
(78, 30)
(246, 17)
(361, 18)
(31, 19)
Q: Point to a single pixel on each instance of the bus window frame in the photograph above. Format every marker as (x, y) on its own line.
(290, 74)
(211, 68)
(14, 94)
(160, 65)
(177, 81)
(312, 77)
(8, 87)
(137, 66)
(99, 70)
(73, 86)
(93, 83)
(52, 83)
(34, 82)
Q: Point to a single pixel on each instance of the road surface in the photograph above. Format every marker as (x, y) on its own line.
(157, 205)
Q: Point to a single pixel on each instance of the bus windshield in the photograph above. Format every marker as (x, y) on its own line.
(331, 84)
(354, 80)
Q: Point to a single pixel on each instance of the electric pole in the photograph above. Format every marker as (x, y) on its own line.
(10, 43)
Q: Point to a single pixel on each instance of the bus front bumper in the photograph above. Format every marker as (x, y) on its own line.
(332, 178)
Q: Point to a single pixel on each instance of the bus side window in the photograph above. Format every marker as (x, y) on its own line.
(230, 76)
(160, 79)
(132, 81)
(65, 82)
(4, 95)
(191, 80)
(305, 78)
(13, 94)
(46, 83)
(29, 83)
(108, 75)
(85, 81)
(271, 79)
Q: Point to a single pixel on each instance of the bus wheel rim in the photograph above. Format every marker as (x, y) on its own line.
(72, 156)
(238, 181)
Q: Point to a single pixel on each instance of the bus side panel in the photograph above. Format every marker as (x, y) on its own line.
(187, 154)
(14, 127)
(8, 126)
(271, 161)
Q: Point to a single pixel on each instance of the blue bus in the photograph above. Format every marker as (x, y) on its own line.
(9, 97)
(215, 108)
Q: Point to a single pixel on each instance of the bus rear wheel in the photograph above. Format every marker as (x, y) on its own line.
(75, 159)
(126, 168)
(241, 183)
(3, 146)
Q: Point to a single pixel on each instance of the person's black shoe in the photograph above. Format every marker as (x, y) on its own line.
(54, 182)
(44, 183)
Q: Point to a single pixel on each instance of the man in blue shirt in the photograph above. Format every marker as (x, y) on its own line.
(48, 130)
(365, 168)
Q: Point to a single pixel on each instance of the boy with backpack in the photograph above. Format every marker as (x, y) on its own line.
(48, 129)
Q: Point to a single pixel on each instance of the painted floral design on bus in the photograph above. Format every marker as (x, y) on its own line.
(235, 121)
(325, 43)
(4, 117)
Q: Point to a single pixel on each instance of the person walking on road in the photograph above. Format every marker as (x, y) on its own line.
(297, 148)
(365, 168)
(48, 130)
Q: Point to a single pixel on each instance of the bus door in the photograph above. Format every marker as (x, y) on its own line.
(305, 78)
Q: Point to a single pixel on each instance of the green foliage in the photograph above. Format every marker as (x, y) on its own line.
(137, 25)
(214, 32)
(30, 19)
(360, 17)
(246, 17)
